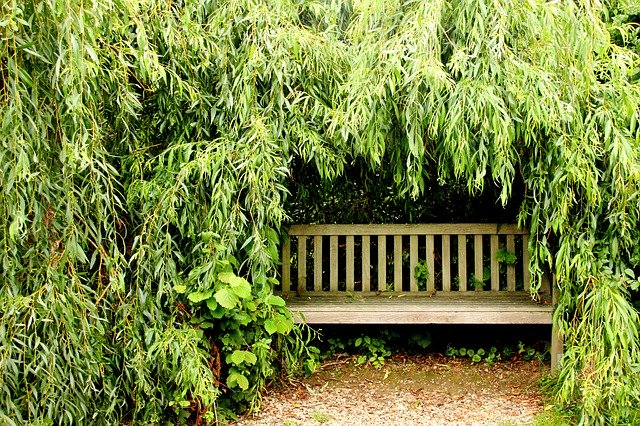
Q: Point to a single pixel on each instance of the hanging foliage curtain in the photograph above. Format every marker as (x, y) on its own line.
(145, 147)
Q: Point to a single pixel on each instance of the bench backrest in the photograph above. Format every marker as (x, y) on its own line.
(416, 258)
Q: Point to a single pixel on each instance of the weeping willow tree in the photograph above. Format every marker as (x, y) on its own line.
(146, 147)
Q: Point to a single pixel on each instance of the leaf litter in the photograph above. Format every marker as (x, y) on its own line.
(407, 390)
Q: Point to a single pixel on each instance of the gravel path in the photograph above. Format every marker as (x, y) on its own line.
(425, 390)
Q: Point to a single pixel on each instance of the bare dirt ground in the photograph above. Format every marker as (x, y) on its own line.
(416, 390)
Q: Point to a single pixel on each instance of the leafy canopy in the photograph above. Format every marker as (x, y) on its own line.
(146, 146)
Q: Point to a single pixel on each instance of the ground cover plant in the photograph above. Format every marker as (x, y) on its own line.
(147, 149)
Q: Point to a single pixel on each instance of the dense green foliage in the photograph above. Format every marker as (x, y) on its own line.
(369, 195)
(145, 153)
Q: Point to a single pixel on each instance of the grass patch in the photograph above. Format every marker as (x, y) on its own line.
(320, 416)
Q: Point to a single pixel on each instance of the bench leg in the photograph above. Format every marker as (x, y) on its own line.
(556, 349)
(557, 345)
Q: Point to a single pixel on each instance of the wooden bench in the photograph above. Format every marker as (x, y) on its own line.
(413, 274)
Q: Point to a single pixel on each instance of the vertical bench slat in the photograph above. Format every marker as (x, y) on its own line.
(413, 262)
(382, 262)
(495, 267)
(446, 263)
(317, 263)
(333, 266)
(429, 249)
(526, 275)
(350, 262)
(511, 269)
(397, 262)
(366, 263)
(462, 262)
(286, 265)
(302, 263)
(477, 256)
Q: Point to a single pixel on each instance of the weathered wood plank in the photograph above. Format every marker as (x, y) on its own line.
(446, 263)
(317, 263)
(399, 296)
(397, 262)
(431, 304)
(366, 263)
(333, 263)
(413, 262)
(434, 310)
(462, 262)
(350, 263)
(286, 265)
(526, 275)
(302, 263)
(511, 269)
(486, 298)
(429, 252)
(382, 262)
(495, 266)
(339, 309)
(407, 229)
(477, 257)
(413, 317)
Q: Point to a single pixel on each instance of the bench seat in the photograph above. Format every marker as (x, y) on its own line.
(405, 308)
